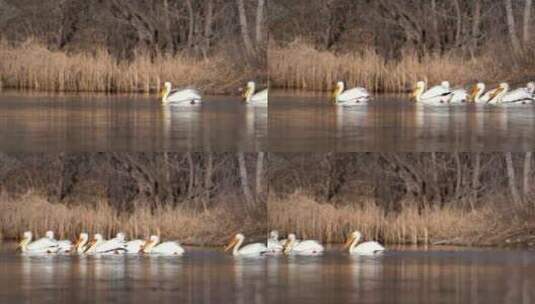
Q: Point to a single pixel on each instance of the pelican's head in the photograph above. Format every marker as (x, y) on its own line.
(338, 89)
(97, 239)
(356, 235)
(418, 90)
(289, 243)
(81, 241)
(235, 240)
(49, 234)
(147, 247)
(274, 234)
(120, 236)
(165, 91)
(476, 91)
(445, 84)
(250, 88)
(26, 239)
(531, 87)
(499, 91)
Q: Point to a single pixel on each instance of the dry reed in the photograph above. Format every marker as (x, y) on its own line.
(32, 66)
(301, 66)
(308, 218)
(31, 212)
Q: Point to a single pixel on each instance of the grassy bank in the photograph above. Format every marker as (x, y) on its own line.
(32, 66)
(301, 214)
(212, 227)
(301, 66)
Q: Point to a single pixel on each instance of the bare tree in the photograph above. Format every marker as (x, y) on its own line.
(511, 178)
(244, 179)
(244, 28)
(527, 19)
(527, 171)
(511, 26)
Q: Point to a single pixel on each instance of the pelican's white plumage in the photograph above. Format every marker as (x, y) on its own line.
(253, 97)
(153, 246)
(64, 246)
(365, 248)
(434, 96)
(134, 246)
(273, 244)
(457, 96)
(40, 246)
(530, 87)
(112, 246)
(254, 249)
(345, 96)
(179, 97)
(518, 96)
(305, 247)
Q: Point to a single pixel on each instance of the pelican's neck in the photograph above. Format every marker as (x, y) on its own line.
(479, 93)
(354, 244)
(289, 245)
(250, 92)
(150, 245)
(81, 245)
(502, 93)
(165, 93)
(235, 250)
(418, 93)
(24, 243)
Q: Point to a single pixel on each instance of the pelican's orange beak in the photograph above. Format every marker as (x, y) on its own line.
(348, 242)
(231, 244)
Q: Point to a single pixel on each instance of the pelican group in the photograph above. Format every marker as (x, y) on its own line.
(305, 247)
(274, 245)
(172, 96)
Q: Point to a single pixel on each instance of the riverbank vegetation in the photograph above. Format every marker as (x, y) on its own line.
(387, 45)
(405, 198)
(125, 46)
(197, 198)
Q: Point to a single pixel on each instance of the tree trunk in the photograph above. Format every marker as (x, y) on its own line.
(260, 174)
(475, 27)
(434, 20)
(191, 23)
(458, 175)
(527, 171)
(191, 178)
(260, 22)
(527, 20)
(475, 181)
(511, 26)
(244, 180)
(459, 23)
(208, 20)
(511, 178)
(244, 28)
(168, 47)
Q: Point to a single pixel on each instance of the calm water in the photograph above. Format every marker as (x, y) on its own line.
(304, 123)
(35, 123)
(208, 276)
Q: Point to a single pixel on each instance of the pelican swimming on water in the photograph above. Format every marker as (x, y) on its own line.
(251, 96)
(254, 249)
(153, 246)
(365, 248)
(343, 96)
(305, 247)
(434, 96)
(179, 97)
(478, 95)
(274, 245)
(112, 246)
(41, 246)
(504, 96)
(134, 246)
(64, 246)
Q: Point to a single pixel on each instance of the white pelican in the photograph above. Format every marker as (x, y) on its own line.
(81, 246)
(153, 246)
(251, 96)
(64, 246)
(254, 249)
(40, 246)
(504, 96)
(365, 248)
(356, 95)
(179, 97)
(134, 246)
(530, 87)
(273, 244)
(112, 246)
(434, 96)
(457, 96)
(306, 247)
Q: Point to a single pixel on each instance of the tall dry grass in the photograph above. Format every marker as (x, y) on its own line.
(33, 66)
(300, 66)
(32, 212)
(300, 214)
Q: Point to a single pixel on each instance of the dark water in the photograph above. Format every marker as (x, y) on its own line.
(41, 123)
(208, 276)
(305, 123)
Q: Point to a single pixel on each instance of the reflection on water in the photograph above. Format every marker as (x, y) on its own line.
(201, 276)
(310, 123)
(401, 275)
(466, 276)
(128, 123)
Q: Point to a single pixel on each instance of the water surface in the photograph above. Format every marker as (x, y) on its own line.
(305, 123)
(88, 122)
(401, 275)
